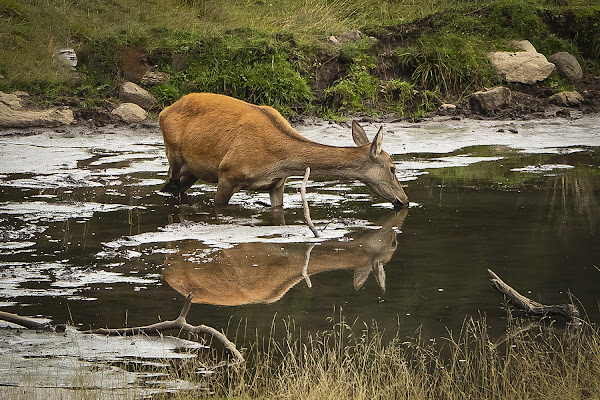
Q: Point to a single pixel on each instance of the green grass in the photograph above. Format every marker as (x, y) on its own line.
(270, 51)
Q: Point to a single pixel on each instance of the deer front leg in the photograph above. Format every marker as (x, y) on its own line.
(225, 190)
(276, 194)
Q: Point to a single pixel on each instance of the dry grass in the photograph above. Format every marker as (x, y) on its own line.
(538, 361)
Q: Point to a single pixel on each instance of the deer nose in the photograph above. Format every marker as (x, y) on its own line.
(398, 204)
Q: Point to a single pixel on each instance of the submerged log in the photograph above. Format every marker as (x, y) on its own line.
(567, 311)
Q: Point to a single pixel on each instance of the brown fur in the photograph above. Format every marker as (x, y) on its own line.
(239, 145)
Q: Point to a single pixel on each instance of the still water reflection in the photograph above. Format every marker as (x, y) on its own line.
(87, 239)
(251, 273)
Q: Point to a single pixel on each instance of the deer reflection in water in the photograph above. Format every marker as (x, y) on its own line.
(263, 272)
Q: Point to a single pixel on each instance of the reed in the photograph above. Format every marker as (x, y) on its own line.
(532, 360)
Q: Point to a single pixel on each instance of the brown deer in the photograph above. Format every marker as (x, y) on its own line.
(250, 273)
(238, 145)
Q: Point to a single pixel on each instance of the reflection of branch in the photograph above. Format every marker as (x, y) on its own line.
(305, 266)
(305, 203)
(179, 323)
(568, 311)
(31, 323)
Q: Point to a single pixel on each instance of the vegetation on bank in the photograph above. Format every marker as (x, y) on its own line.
(532, 360)
(412, 57)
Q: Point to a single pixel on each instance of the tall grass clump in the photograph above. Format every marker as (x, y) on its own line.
(360, 362)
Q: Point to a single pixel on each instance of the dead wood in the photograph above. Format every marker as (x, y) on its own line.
(567, 311)
(305, 203)
(30, 323)
(181, 324)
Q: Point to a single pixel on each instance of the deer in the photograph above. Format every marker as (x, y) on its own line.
(242, 146)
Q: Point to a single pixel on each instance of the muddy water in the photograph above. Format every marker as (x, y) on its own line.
(88, 239)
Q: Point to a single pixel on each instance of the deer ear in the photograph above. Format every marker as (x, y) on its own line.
(358, 134)
(377, 142)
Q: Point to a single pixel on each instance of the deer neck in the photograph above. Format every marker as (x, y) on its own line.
(325, 161)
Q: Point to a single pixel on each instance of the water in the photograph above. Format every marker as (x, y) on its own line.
(87, 239)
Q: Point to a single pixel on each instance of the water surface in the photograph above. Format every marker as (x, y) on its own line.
(88, 239)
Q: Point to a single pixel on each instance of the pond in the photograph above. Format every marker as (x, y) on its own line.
(88, 239)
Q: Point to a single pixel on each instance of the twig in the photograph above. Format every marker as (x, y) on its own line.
(305, 203)
(568, 311)
(179, 323)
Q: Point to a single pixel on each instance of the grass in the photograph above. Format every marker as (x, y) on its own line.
(533, 360)
(270, 52)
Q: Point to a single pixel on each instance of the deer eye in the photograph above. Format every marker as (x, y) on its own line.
(393, 170)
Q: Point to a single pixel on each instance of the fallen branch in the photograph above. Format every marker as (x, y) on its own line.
(29, 323)
(305, 203)
(567, 311)
(181, 324)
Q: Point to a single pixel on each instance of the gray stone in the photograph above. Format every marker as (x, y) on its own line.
(567, 66)
(447, 109)
(490, 100)
(521, 67)
(51, 118)
(14, 114)
(566, 99)
(132, 93)
(130, 112)
(350, 36)
(522, 45)
(153, 78)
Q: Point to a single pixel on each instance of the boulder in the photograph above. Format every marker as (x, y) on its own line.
(132, 93)
(521, 67)
(567, 66)
(13, 113)
(490, 100)
(153, 78)
(350, 36)
(522, 45)
(566, 99)
(130, 112)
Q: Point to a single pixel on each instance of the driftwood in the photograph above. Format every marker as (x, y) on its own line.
(31, 323)
(181, 324)
(305, 203)
(567, 311)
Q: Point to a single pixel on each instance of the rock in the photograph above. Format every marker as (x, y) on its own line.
(153, 78)
(130, 112)
(490, 100)
(566, 99)
(567, 66)
(13, 113)
(51, 118)
(132, 93)
(350, 36)
(332, 40)
(521, 67)
(523, 45)
(14, 100)
(447, 109)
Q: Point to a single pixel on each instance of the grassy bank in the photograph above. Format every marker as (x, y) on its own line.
(350, 362)
(419, 54)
